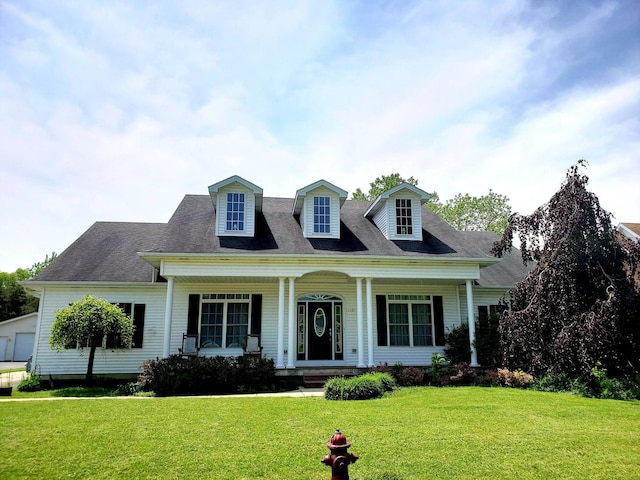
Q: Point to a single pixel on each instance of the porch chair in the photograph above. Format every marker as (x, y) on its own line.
(189, 345)
(253, 346)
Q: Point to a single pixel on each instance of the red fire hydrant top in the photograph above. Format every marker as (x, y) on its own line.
(338, 440)
(339, 459)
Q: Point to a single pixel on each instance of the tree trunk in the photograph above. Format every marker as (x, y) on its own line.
(89, 378)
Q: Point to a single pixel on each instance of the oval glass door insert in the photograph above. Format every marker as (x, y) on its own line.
(319, 322)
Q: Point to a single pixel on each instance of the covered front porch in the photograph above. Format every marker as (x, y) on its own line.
(316, 316)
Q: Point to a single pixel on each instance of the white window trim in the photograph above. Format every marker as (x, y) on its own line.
(410, 300)
(225, 299)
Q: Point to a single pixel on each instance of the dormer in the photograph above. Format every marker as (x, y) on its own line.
(236, 202)
(318, 206)
(398, 212)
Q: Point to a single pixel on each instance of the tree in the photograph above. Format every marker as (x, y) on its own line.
(15, 301)
(381, 185)
(91, 323)
(488, 213)
(37, 267)
(579, 305)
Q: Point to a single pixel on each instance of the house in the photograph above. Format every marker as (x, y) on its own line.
(17, 338)
(325, 282)
(628, 234)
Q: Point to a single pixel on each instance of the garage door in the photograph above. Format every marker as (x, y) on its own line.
(23, 347)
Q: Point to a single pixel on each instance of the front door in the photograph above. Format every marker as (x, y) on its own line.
(320, 330)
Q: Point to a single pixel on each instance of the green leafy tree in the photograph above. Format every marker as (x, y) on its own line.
(487, 213)
(91, 323)
(579, 305)
(37, 267)
(381, 185)
(15, 300)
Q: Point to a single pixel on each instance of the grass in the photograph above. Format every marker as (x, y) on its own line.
(416, 433)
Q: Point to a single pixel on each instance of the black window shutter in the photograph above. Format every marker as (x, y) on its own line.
(256, 313)
(438, 319)
(193, 315)
(381, 310)
(138, 323)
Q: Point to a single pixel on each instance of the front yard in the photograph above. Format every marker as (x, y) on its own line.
(415, 433)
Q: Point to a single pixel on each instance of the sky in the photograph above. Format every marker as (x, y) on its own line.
(114, 110)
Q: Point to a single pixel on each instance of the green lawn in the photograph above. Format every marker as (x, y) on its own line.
(416, 433)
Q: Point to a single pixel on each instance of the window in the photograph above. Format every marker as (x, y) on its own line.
(136, 312)
(321, 215)
(486, 311)
(224, 320)
(410, 321)
(404, 224)
(235, 211)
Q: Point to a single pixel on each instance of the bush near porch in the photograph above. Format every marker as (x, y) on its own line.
(177, 375)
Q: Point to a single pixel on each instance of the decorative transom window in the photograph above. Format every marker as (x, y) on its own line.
(235, 211)
(410, 321)
(224, 320)
(321, 215)
(404, 224)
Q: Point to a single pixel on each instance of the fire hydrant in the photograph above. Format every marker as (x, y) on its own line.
(339, 459)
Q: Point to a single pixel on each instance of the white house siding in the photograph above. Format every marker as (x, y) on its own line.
(481, 296)
(381, 220)
(415, 355)
(249, 211)
(344, 286)
(306, 218)
(74, 362)
(416, 216)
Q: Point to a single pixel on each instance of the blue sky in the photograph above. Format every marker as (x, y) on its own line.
(114, 110)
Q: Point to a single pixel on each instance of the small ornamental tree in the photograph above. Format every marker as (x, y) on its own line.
(579, 305)
(91, 323)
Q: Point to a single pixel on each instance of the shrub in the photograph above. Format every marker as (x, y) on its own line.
(31, 383)
(515, 379)
(561, 383)
(612, 388)
(457, 348)
(205, 375)
(362, 387)
(488, 340)
(403, 376)
(463, 374)
(437, 372)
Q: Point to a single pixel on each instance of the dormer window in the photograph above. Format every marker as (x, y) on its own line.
(235, 211)
(237, 203)
(318, 208)
(398, 212)
(321, 215)
(404, 224)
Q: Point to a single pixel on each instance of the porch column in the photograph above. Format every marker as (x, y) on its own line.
(168, 314)
(369, 323)
(472, 325)
(360, 323)
(292, 330)
(280, 354)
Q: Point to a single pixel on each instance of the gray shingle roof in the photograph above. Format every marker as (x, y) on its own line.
(108, 250)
